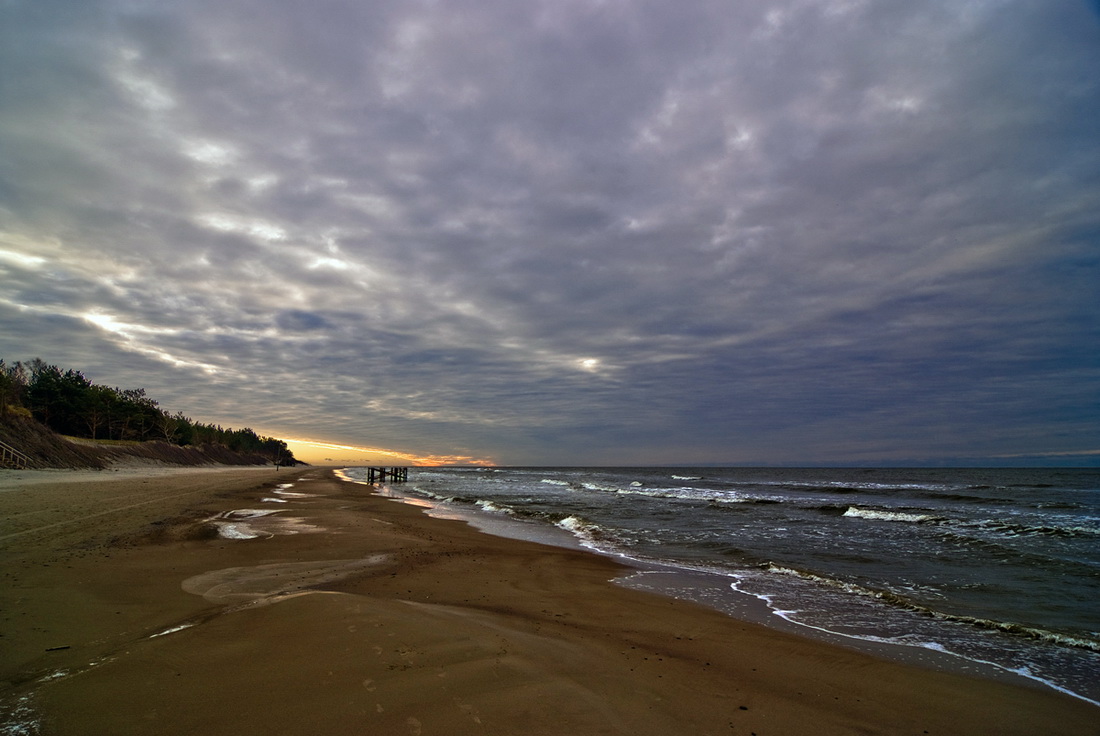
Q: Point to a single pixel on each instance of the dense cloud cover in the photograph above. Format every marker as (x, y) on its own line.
(567, 231)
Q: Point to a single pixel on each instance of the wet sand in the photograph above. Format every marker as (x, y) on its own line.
(124, 611)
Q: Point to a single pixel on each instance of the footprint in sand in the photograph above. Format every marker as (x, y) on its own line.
(469, 710)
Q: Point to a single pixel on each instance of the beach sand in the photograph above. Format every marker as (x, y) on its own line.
(122, 611)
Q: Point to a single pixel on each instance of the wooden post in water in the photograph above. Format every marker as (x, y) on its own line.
(380, 474)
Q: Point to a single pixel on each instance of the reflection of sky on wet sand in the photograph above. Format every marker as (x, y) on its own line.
(266, 523)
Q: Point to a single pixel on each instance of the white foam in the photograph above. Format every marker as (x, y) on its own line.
(856, 512)
(598, 487)
(249, 513)
(582, 530)
(172, 630)
(573, 524)
(490, 506)
(272, 500)
(22, 720)
(56, 675)
(434, 495)
(791, 616)
(237, 531)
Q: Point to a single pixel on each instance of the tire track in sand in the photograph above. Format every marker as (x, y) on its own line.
(204, 485)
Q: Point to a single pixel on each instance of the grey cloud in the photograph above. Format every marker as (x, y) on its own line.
(775, 231)
(296, 320)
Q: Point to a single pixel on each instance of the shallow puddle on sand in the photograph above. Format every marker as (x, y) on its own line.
(284, 491)
(260, 523)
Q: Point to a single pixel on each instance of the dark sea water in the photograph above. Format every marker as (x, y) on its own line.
(995, 566)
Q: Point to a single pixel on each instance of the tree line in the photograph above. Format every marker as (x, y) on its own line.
(70, 404)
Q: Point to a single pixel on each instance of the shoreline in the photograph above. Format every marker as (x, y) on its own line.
(354, 612)
(714, 589)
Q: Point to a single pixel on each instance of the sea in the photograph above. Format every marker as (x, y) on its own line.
(994, 570)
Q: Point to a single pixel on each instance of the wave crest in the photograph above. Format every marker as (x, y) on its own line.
(857, 512)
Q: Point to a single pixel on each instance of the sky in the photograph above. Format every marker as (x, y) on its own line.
(568, 232)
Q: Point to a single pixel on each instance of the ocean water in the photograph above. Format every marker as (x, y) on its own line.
(994, 566)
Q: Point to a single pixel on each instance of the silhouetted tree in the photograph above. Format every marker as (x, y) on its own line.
(69, 403)
(13, 386)
(58, 399)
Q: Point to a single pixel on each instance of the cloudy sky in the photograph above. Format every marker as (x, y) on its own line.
(568, 231)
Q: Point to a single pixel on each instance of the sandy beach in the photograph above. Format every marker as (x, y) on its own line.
(248, 601)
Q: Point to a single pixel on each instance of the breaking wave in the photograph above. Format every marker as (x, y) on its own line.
(857, 512)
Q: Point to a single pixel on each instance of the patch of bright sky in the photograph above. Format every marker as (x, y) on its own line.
(129, 332)
(28, 251)
(590, 365)
(261, 183)
(739, 138)
(254, 227)
(146, 92)
(109, 323)
(330, 262)
(327, 453)
(559, 363)
(398, 407)
(21, 259)
(210, 152)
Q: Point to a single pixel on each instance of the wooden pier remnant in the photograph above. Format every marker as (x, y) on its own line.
(380, 475)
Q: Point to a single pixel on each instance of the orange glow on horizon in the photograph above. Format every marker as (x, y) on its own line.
(328, 453)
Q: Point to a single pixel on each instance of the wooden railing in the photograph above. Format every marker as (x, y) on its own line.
(12, 458)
